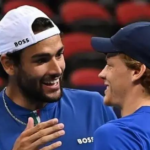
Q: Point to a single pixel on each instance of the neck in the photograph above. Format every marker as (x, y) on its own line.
(16, 96)
(135, 100)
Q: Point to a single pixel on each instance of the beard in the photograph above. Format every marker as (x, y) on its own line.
(31, 88)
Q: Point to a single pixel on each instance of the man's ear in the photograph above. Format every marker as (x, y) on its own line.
(137, 74)
(7, 65)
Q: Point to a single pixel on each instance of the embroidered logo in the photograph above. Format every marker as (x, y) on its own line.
(24, 41)
(85, 140)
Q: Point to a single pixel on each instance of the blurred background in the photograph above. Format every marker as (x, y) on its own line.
(79, 20)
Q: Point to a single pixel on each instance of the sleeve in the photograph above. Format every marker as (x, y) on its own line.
(112, 137)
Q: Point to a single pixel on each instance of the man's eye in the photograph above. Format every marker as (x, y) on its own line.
(42, 60)
(59, 54)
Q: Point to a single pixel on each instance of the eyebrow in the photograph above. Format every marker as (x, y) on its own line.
(39, 55)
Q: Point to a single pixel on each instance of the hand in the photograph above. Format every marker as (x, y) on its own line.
(35, 136)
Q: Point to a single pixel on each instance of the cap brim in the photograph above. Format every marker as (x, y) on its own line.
(103, 45)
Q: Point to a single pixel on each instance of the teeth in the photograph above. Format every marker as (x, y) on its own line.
(52, 82)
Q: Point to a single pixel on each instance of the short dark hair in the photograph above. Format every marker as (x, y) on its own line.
(39, 25)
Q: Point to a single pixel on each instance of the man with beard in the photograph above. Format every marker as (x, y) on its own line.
(127, 77)
(36, 112)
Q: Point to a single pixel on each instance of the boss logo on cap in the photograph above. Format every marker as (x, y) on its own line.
(24, 41)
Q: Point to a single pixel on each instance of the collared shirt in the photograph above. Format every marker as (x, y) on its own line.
(82, 112)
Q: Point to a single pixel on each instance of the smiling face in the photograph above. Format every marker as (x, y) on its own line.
(39, 76)
(118, 79)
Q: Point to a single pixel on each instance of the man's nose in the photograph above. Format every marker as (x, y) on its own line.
(54, 67)
(102, 74)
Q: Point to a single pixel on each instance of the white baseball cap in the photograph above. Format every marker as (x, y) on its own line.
(16, 29)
